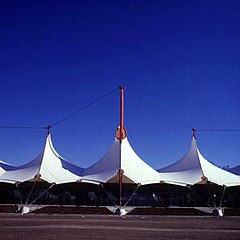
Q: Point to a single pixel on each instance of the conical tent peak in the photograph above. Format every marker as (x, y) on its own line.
(48, 129)
(194, 133)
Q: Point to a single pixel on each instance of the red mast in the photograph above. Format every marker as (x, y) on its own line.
(121, 131)
(122, 88)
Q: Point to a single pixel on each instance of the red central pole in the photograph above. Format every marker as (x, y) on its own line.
(121, 112)
(120, 171)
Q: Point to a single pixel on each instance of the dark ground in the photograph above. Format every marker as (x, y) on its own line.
(67, 227)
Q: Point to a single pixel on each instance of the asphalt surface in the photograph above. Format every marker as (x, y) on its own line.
(67, 227)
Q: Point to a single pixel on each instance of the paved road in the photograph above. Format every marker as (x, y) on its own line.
(67, 227)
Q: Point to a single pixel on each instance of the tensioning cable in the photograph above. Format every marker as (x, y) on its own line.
(64, 118)
(84, 107)
(22, 127)
(219, 130)
(146, 101)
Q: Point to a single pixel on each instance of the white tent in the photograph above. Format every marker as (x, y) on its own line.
(193, 168)
(122, 157)
(121, 164)
(49, 166)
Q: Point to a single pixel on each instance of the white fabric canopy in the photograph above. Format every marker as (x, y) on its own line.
(49, 166)
(193, 168)
(122, 156)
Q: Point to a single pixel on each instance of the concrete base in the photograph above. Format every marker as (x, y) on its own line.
(218, 212)
(120, 211)
(24, 210)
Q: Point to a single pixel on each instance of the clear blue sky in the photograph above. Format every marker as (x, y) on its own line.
(180, 62)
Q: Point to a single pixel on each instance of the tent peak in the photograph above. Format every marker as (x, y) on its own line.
(48, 129)
(194, 133)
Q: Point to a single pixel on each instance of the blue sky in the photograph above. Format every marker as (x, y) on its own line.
(178, 59)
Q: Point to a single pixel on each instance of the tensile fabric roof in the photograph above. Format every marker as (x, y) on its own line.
(122, 157)
(49, 166)
(193, 168)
